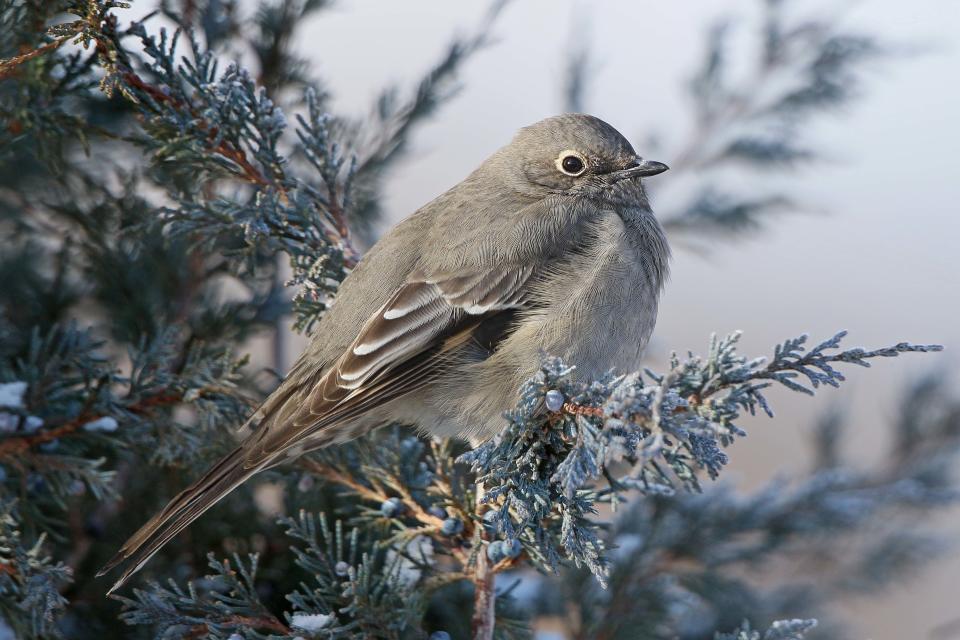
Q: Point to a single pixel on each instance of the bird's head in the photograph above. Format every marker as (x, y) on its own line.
(574, 154)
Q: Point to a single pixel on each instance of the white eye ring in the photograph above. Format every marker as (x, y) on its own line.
(565, 166)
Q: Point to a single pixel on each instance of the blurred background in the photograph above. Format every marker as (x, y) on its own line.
(868, 243)
(813, 188)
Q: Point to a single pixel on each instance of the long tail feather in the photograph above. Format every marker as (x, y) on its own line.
(184, 508)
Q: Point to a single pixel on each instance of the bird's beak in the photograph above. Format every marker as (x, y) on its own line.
(641, 169)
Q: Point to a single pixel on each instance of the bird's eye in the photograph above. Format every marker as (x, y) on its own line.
(571, 163)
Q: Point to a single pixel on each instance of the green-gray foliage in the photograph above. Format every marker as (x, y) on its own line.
(149, 190)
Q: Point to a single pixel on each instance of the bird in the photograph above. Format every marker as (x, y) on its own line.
(549, 247)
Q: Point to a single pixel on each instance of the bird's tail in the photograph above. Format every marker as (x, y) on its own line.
(184, 508)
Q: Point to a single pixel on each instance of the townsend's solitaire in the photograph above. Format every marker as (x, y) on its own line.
(549, 247)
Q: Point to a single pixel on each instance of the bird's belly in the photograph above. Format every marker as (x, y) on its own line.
(609, 324)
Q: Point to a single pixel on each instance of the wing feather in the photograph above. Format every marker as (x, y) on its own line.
(387, 357)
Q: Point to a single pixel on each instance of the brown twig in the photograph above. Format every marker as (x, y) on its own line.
(11, 447)
(270, 624)
(335, 475)
(484, 599)
(338, 215)
(431, 523)
(9, 65)
(582, 410)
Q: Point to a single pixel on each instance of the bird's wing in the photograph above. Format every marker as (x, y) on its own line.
(398, 350)
(402, 346)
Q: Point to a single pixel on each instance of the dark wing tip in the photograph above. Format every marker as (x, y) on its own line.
(122, 580)
(112, 563)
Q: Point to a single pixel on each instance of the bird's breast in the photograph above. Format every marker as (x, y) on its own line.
(605, 295)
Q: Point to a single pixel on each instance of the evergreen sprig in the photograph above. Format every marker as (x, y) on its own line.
(540, 471)
(227, 602)
(30, 580)
(780, 630)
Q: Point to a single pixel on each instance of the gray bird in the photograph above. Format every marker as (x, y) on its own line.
(548, 247)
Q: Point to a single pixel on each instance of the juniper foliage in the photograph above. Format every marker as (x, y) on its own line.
(666, 429)
(149, 190)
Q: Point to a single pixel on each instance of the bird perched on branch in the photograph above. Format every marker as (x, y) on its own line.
(549, 247)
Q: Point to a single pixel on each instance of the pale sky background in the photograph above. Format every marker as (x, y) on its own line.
(879, 258)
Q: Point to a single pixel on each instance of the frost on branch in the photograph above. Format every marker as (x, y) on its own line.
(644, 432)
